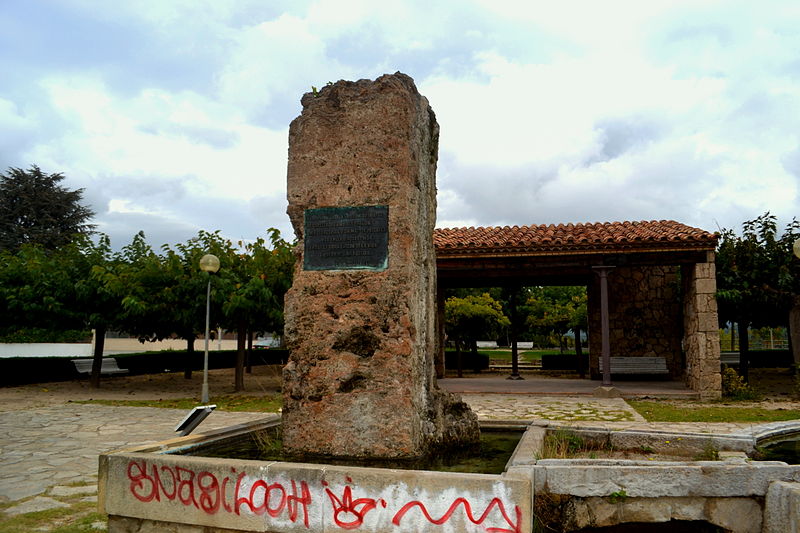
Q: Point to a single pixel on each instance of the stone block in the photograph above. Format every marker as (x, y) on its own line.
(739, 515)
(707, 322)
(529, 448)
(145, 490)
(705, 270)
(706, 285)
(782, 507)
(708, 479)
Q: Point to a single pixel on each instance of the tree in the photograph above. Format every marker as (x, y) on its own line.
(473, 317)
(35, 209)
(758, 278)
(558, 310)
(258, 279)
(56, 290)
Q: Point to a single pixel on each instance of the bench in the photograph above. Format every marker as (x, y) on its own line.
(505, 364)
(637, 365)
(84, 366)
(730, 359)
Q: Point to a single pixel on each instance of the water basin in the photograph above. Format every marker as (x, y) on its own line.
(488, 457)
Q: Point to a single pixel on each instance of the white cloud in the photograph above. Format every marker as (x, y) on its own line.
(549, 112)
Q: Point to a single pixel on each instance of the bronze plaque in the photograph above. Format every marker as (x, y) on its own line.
(346, 238)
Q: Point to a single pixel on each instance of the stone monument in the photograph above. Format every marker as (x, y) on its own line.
(360, 314)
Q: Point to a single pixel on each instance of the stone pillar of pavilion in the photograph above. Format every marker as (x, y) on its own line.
(701, 328)
(360, 316)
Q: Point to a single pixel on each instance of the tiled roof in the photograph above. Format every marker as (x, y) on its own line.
(653, 235)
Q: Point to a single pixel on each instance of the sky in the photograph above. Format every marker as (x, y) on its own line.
(173, 115)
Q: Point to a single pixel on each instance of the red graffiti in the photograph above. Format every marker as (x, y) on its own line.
(274, 499)
(204, 491)
(291, 500)
(513, 524)
(347, 512)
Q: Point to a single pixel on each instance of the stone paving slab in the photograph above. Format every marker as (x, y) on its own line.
(596, 413)
(59, 445)
(567, 409)
(39, 503)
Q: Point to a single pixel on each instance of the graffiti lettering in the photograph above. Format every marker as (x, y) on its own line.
(347, 512)
(291, 500)
(204, 491)
(514, 524)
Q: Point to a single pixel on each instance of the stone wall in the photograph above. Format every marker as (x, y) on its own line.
(644, 315)
(360, 378)
(701, 329)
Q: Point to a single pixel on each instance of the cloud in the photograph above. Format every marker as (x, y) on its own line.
(177, 112)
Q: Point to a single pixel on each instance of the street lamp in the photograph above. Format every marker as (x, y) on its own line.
(208, 263)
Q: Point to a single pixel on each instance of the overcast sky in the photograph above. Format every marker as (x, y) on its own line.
(174, 114)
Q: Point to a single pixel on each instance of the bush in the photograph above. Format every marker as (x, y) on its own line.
(468, 361)
(31, 335)
(735, 388)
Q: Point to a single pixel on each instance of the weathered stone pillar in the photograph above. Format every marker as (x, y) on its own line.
(701, 329)
(360, 316)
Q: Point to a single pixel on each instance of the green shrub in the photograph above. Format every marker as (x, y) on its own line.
(734, 386)
(30, 335)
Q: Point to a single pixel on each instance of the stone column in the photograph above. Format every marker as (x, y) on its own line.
(360, 379)
(701, 329)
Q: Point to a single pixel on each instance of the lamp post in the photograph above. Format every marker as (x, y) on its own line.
(208, 263)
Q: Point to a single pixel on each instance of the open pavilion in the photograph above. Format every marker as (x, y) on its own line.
(659, 276)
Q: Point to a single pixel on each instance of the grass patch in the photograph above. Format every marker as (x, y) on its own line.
(690, 412)
(78, 518)
(265, 403)
(563, 444)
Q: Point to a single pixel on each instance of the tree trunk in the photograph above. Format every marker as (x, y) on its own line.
(744, 351)
(513, 331)
(97, 356)
(459, 360)
(189, 360)
(794, 333)
(241, 345)
(733, 338)
(249, 357)
(579, 353)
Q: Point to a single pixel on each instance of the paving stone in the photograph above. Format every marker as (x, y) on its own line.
(72, 491)
(40, 503)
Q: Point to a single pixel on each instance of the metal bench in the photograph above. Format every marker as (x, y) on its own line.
(110, 367)
(637, 365)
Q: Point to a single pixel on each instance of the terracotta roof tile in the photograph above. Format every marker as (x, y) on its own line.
(653, 235)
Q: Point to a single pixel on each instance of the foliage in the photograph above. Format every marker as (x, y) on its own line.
(474, 317)
(35, 209)
(563, 444)
(757, 273)
(29, 335)
(83, 284)
(618, 496)
(734, 387)
(710, 452)
(557, 310)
